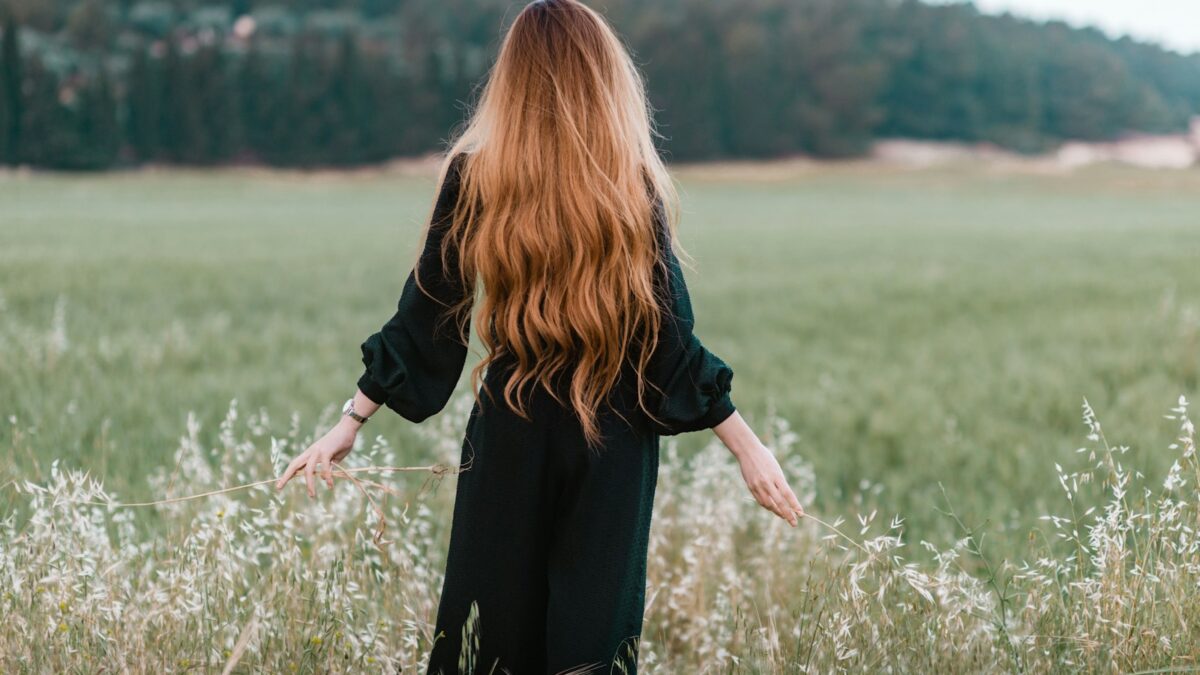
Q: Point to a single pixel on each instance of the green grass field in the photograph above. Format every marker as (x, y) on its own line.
(917, 331)
(913, 327)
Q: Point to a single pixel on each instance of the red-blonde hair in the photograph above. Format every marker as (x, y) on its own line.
(555, 223)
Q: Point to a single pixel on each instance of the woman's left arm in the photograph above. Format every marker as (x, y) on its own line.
(695, 393)
(761, 471)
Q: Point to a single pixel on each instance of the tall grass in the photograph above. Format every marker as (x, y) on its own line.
(276, 582)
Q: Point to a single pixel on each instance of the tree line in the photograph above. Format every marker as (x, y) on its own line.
(89, 84)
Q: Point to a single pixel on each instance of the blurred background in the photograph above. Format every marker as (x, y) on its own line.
(923, 233)
(93, 84)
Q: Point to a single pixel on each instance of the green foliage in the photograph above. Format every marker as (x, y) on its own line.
(143, 103)
(99, 131)
(11, 99)
(153, 18)
(47, 119)
(1021, 85)
(345, 82)
(88, 26)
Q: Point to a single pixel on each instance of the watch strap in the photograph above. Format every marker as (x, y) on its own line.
(348, 411)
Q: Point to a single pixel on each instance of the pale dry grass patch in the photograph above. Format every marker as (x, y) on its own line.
(257, 581)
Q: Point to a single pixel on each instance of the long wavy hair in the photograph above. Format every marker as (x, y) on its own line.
(555, 225)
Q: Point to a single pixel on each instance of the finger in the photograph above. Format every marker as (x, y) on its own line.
(778, 505)
(790, 495)
(789, 514)
(785, 505)
(759, 495)
(310, 480)
(291, 471)
(763, 494)
(327, 474)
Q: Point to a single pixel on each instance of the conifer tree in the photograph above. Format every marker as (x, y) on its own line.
(99, 132)
(11, 96)
(143, 103)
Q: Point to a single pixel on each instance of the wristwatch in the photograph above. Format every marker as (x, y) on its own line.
(348, 411)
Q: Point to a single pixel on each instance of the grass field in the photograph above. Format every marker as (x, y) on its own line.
(918, 331)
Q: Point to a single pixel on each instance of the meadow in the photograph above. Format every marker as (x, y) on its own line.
(917, 345)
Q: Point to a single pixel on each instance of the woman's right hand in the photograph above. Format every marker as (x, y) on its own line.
(334, 446)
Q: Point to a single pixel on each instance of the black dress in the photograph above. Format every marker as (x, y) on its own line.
(548, 541)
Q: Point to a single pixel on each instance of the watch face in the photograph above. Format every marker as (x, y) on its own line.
(348, 407)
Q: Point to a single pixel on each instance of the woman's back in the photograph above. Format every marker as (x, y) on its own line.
(682, 385)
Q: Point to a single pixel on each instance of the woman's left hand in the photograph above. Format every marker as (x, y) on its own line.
(334, 446)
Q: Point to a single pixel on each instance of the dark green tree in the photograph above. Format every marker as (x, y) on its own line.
(687, 72)
(343, 82)
(49, 132)
(213, 133)
(11, 95)
(932, 93)
(389, 112)
(99, 131)
(349, 106)
(296, 135)
(88, 26)
(839, 75)
(258, 103)
(143, 103)
(181, 124)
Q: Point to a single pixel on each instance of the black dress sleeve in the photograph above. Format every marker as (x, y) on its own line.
(413, 363)
(695, 384)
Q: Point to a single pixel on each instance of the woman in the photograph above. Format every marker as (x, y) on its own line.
(555, 207)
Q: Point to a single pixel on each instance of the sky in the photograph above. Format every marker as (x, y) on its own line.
(1172, 23)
